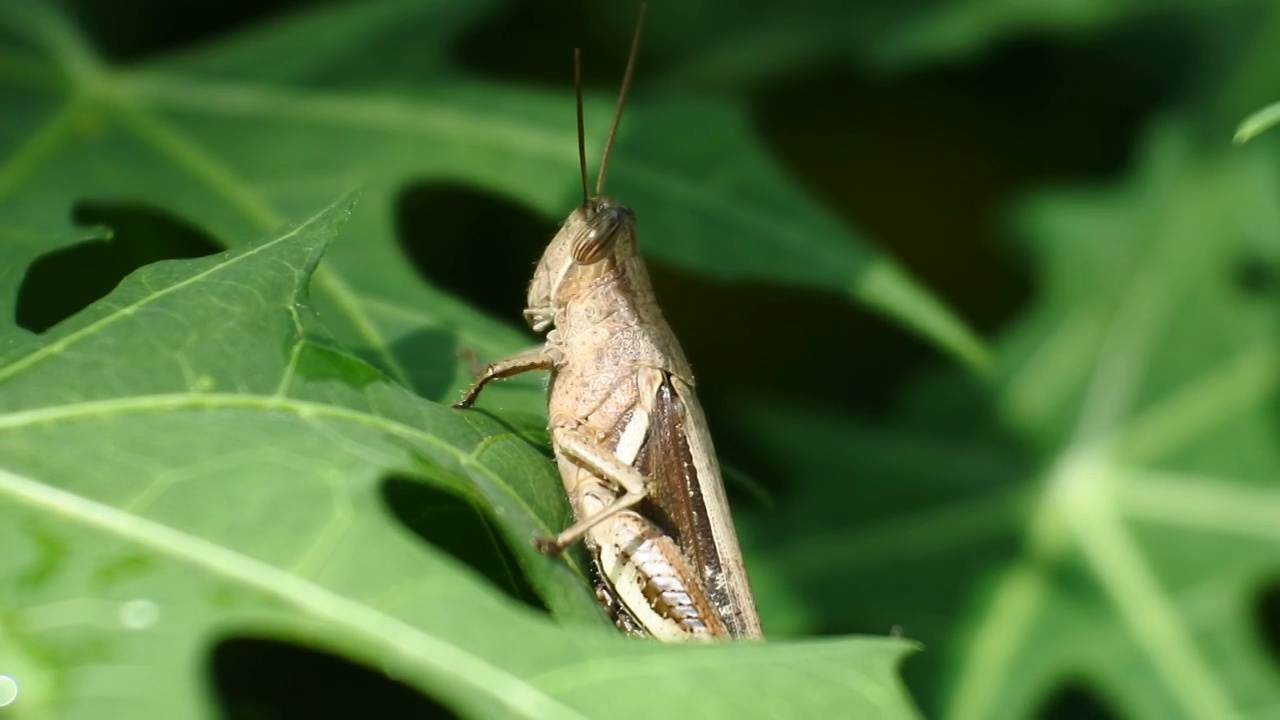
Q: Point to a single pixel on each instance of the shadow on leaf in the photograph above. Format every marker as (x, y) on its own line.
(1267, 614)
(256, 678)
(1256, 276)
(1075, 701)
(486, 262)
(455, 526)
(61, 283)
(430, 356)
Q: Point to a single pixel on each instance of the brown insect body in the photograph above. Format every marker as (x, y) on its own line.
(630, 439)
(623, 380)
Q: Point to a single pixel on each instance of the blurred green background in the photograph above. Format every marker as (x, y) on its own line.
(1086, 527)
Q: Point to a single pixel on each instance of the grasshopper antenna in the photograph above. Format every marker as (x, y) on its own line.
(582, 141)
(622, 98)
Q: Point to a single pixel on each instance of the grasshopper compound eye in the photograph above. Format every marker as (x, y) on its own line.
(597, 239)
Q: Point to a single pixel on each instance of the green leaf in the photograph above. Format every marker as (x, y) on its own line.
(193, 458)
(237, 136)
(1103, 512)
(26, 234)
(757, 42)
(1257, 123)
(965, 28)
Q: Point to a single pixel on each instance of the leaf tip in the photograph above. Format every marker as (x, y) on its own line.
(890, 289)
(1256, 124)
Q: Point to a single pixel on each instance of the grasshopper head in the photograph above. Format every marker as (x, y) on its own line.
(596, 238)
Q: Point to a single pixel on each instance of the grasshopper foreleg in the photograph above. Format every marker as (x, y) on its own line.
(535, 358)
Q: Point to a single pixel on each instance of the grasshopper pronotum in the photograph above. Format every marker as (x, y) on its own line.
(629, 435)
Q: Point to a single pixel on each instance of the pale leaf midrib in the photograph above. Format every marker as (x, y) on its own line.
(1148, 613)
(172, 402)
(383, 631)
(410, 116)
(1216, 504)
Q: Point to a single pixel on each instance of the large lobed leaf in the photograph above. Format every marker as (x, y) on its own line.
(192, 458)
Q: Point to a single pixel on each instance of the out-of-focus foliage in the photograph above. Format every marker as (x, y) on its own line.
(1258, 122)
(1103, 510)
(233, 471)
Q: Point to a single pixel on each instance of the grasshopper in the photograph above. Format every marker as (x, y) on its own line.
(629, 435)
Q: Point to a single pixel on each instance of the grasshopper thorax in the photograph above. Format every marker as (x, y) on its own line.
(597, 238)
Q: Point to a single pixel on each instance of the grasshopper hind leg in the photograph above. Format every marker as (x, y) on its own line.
(618, 613)
(652, 580)
(591, 458)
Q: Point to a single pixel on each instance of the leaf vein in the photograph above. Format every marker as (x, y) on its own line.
(432, 651)
(49, 350)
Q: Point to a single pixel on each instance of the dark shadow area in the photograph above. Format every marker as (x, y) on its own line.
(154, 27)
(545, 57)
(1075, 701)
(946, 592)
(787, 341)
(473, 243)
(1267, 616)
(60, 284)
(806, 346)
(457, 527)
(429, 358)
(260, 679)
(927, 601)
(926, 164)
(1256, 277)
